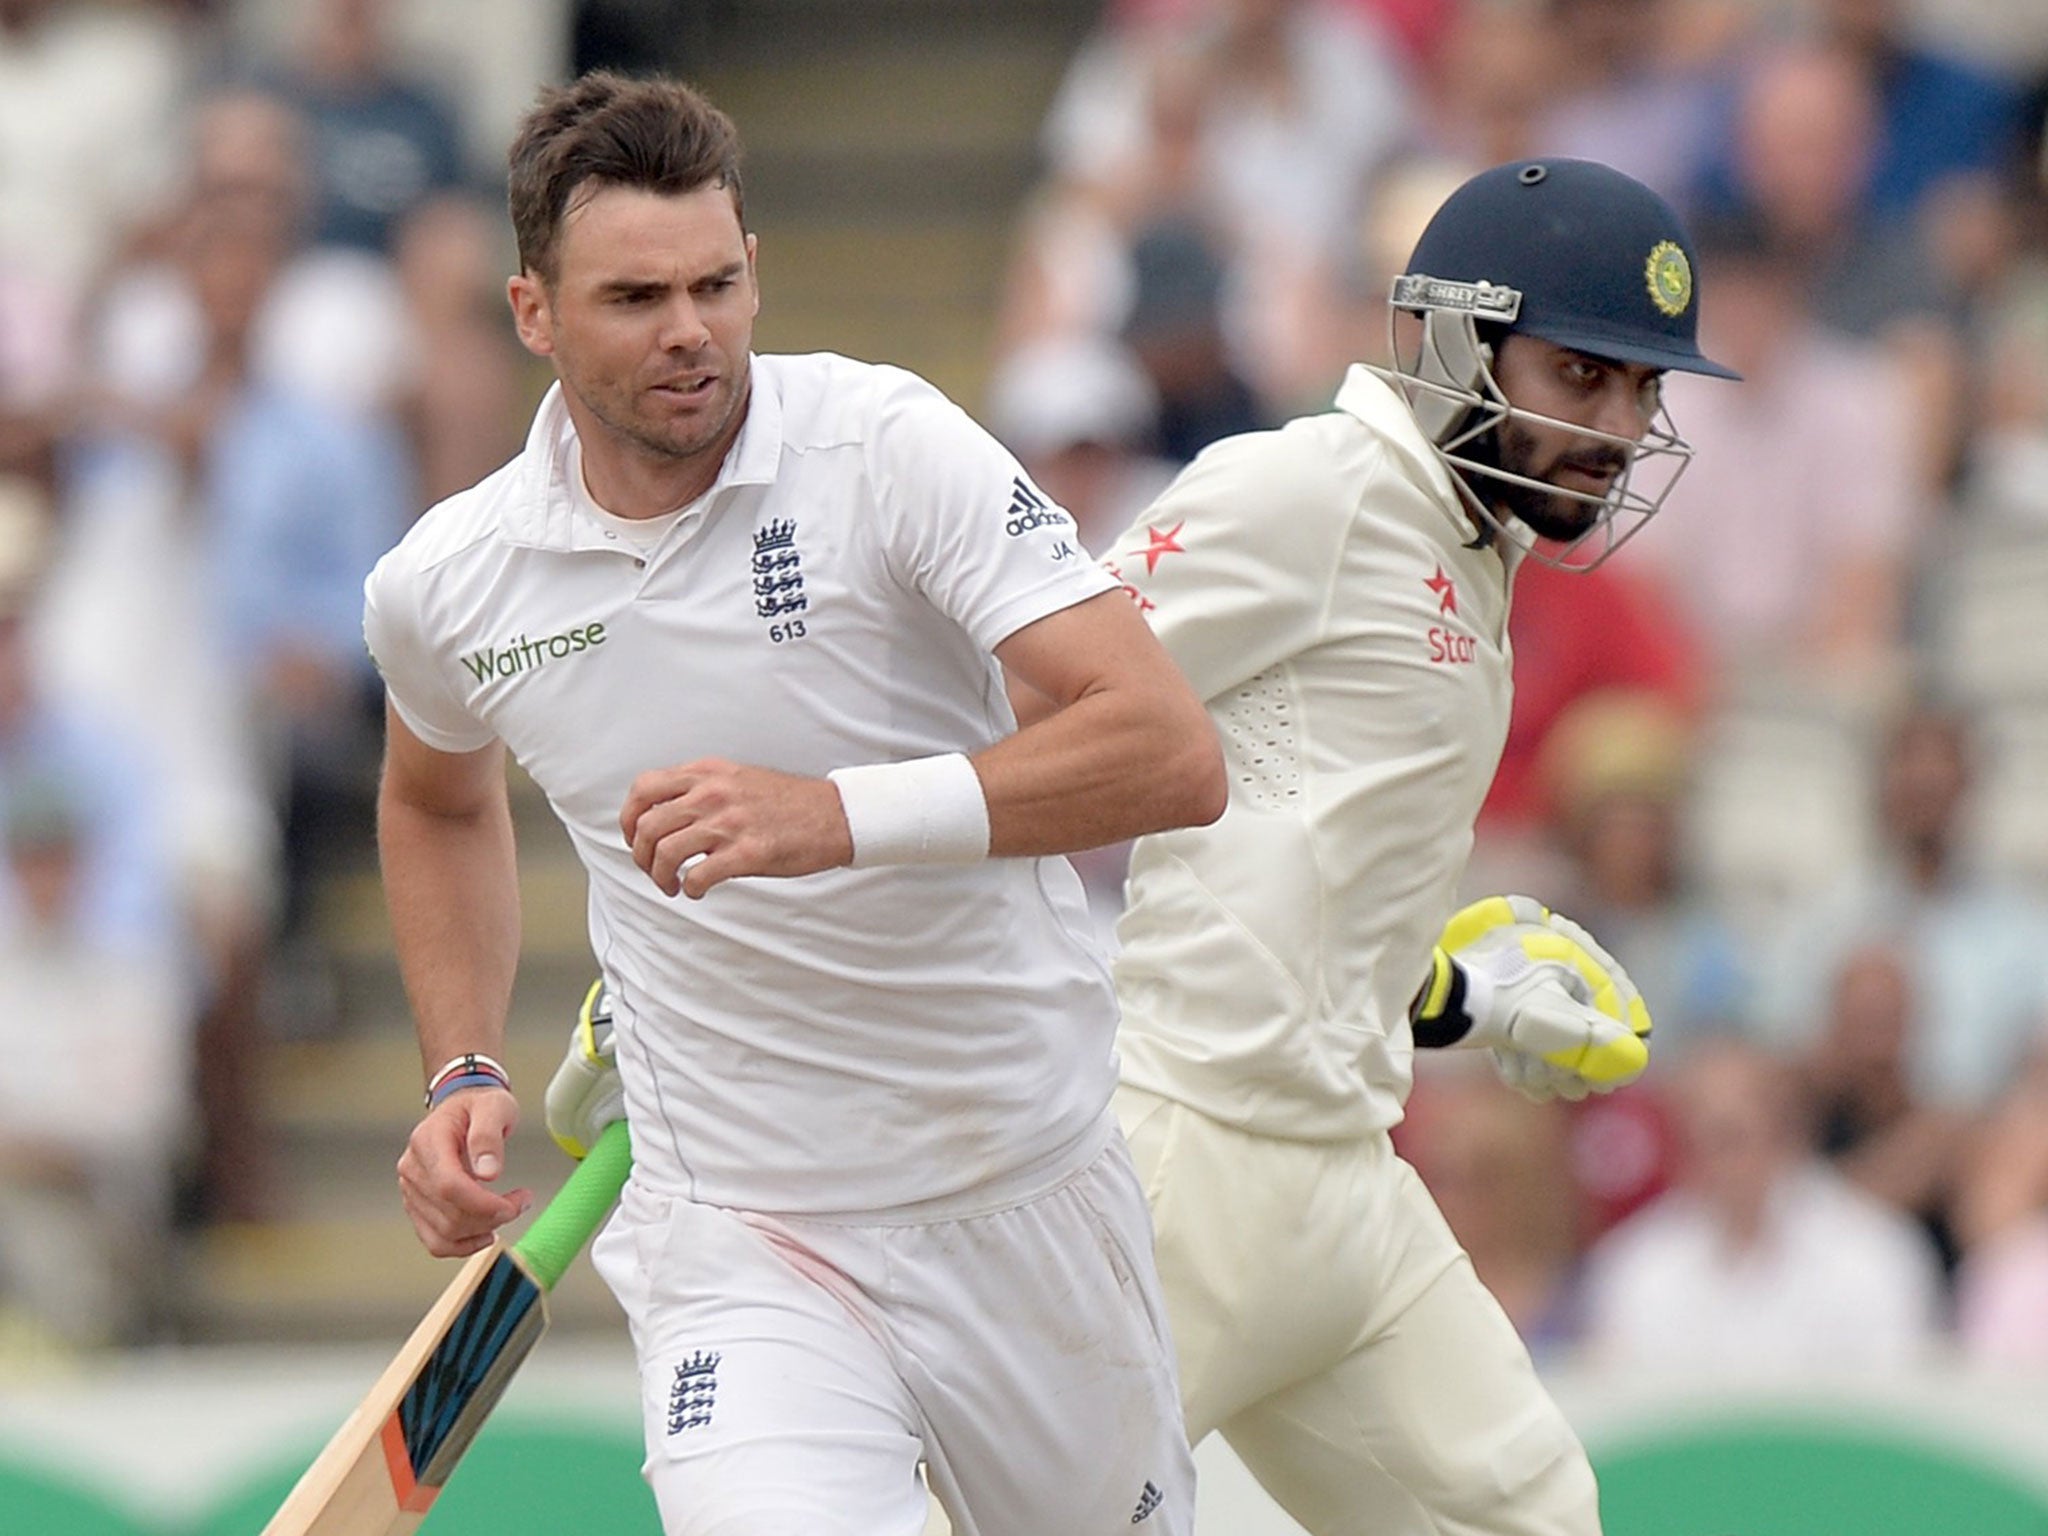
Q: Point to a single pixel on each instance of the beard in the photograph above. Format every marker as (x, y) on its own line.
(617, 408)
(1559, 516)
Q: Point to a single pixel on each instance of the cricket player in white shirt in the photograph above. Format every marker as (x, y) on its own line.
(1337, 590)
(744, 617)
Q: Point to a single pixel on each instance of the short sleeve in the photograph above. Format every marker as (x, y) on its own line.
(966, 526)
(416, 685)
(1234, 564)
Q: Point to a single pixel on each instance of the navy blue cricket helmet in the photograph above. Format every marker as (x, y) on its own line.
(1570, 251)
(1601, 263)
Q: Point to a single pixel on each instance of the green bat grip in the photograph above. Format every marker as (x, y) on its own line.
(579, 1208)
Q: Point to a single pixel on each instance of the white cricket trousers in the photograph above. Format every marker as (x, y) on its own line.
(1329, 1325)
(795, 1371)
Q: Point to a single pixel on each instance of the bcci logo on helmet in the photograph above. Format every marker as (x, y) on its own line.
(1670, 277)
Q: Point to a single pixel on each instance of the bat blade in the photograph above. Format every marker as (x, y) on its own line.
(384, 1467)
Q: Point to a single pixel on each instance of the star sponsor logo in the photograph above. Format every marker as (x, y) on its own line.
(1158, 545)
(1446, 591)
(1449, 648)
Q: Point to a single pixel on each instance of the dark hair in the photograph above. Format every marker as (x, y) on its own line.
(610, 131)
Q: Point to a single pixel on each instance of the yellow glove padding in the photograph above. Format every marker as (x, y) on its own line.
(585, 1094)
(1559, 1013)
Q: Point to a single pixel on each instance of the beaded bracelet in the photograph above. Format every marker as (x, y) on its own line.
(472, 1069)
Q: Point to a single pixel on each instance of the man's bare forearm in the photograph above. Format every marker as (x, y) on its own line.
(451, 886)
(1113, 743)
(1109, 766)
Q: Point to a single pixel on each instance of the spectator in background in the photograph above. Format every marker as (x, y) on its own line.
(1614, 778)
(1580, 636)
(1978, 945)
(2008, 37)
(1802, 143)
(1491, 84)
(1295, 102)
(1256, 125)
(1635, 88)
(1785, 545)
(1761, 1260)
(1938, 115)
(296, 498)
(221, 512)
(130, 582)
(1175, 330)
(90, 114)
(1618, 770)
(1947, 139)
(121, 882)
(331, 326)
(1624, 1151)
(1872, 1121)
(420, 340)
(1806, 140)
(296, 502)
(1975, 240)
(89, 118)
(466, 394)
(1993, 234)
(1072, 272)
(382, 141)
(95, 1006)
(294, 484)
(1894, 122)
(128, 627)
(2002, 1220)
(95, 1091)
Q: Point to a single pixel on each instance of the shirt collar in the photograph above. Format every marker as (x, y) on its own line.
(1375, 402)
(543, 512)
(756, 454)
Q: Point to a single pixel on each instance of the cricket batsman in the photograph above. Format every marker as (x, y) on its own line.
(1337, 591)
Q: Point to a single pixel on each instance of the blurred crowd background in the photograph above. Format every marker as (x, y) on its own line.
(1787, 754)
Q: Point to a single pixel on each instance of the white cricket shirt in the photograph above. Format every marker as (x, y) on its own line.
(850, 1041)
(1316, 585)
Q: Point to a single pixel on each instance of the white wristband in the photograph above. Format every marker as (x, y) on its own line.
(930, 810)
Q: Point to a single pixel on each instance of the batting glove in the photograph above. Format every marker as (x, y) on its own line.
(1559, 1014)
(585, 1094)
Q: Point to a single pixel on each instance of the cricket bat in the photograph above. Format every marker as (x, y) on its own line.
(380, 1473)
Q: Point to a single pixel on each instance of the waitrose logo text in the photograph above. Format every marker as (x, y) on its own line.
(524, 655)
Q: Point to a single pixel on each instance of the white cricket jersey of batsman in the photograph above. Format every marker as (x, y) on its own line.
(1318, 587)
(851, 1041)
